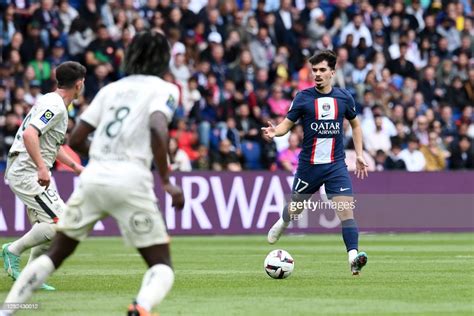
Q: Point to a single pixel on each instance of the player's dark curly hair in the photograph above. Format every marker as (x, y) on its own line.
(148, 54)
(324, 55)
(68, 73)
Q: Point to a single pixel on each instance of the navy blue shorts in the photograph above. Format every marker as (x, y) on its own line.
(334, 176)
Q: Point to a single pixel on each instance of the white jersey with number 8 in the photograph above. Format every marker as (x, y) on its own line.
(121, 115)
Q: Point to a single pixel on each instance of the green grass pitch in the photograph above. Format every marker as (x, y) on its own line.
(421, 274)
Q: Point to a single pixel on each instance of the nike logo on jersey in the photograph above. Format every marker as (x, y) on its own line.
(324, 115)
(343, 189)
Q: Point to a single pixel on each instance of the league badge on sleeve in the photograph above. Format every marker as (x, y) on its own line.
(47, 116)
(171, 103)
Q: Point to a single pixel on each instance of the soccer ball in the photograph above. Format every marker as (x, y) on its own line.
(279, 264)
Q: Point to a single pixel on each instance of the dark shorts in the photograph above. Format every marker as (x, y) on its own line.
(334, 176)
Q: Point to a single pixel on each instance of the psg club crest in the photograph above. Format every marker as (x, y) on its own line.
(326, 106)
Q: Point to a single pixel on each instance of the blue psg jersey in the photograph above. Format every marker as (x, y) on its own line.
(322, 116)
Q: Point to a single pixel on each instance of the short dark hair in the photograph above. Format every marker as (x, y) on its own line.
(148, 54)
(324, 55)
(68, 73)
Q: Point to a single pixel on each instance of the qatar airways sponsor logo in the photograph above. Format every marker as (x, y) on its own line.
(326, 128)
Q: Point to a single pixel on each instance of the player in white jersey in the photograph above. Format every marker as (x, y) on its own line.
(130, 118)
(37, 145)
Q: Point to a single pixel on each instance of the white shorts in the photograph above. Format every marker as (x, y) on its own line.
(135, 211)
(43, 205)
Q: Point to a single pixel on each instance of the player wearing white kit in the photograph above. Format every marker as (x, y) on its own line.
(37, 145)
(130, 118)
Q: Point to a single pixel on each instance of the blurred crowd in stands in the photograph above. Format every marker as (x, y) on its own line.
(409, 65)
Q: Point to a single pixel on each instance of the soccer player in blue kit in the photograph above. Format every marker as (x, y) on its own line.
(321, 110)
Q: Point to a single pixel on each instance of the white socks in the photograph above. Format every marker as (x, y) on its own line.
(38, 234)
(30, 279)
(156, 283)
(352, 255)
(37, 251)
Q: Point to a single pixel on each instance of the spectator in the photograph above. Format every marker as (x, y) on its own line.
(456, 95)
(67, 14)
(96, 81)
(421, 130)
(430, 88)
(413, 158)
(262, 49)
(285, 23)
(47, 16)
(448, 127)
(380, 160)
(8, 132)
(90, 13)
(35, 92)
(316, 25)
(5, 105)
(394, 161)
(401, 65)
(358, 29)
(462, 156)
(278, 103)
(248, 127)
(230, 132)
(31, 42)
(412, 63)
(178, 159)
(103, 51)
(434, 155)
(378, 140)
(344, 69)
(80, 36)
(448, 31)
(58, 54)
(187, 139)
(288, 158)
(202, 161)
(243, 70)
(351, 158)
(7, 25)
(225, 159)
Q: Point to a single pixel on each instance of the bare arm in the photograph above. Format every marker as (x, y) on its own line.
(361, 165)
(64, 157)
(79, 141)
(279, 130)
(159, 146)
(357, 136)
(32, 144)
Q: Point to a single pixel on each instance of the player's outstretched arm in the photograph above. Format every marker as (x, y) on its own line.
(32, 144)
(361, 165)
(79, 141)
(159, 146)
(64, 157)
(275, 131)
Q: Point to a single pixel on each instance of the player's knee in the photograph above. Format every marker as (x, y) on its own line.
(297, 204)
(159, 258)
(156, 254)
(61, 248)
(47, 230)
(345, 215)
